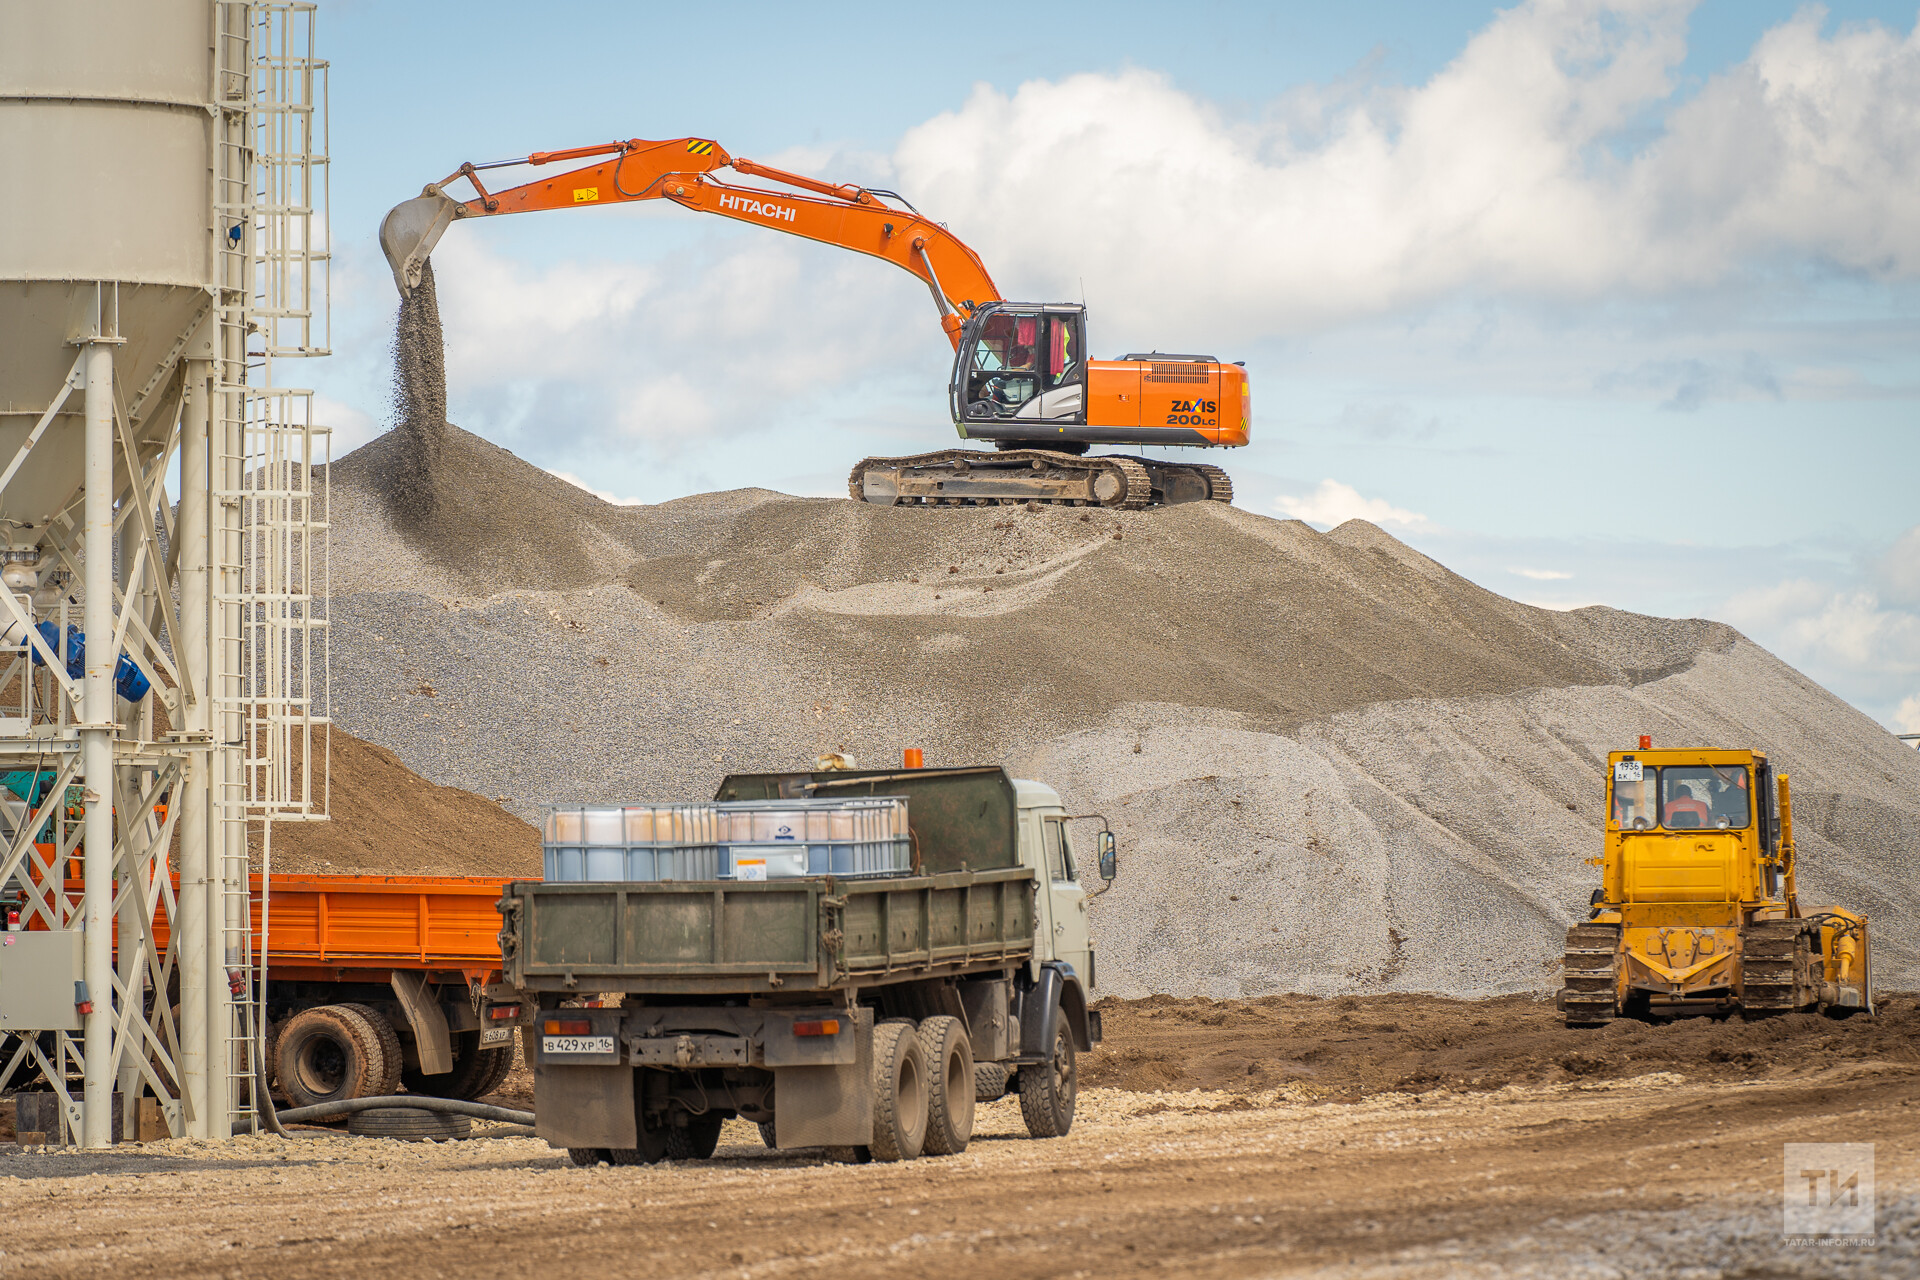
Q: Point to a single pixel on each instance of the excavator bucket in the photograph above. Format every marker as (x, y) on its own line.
(409, 232)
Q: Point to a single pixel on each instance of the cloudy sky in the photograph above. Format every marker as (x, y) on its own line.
(1594, 302)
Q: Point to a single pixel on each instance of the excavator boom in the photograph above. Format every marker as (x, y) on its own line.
(681, 170)
(1021, 378)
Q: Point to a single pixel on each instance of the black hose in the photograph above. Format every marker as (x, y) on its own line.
(263, 1093)
(450, 1106)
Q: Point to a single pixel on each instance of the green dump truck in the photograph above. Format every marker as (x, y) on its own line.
(868, 1012)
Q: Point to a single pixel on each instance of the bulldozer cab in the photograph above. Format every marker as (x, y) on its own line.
(1690, 827)
(1022, 361)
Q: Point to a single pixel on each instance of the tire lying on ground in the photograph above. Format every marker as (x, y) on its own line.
(1048, 1089)
(950, 1085)
(328, 1054)
(409, 1124)
(899, 1092)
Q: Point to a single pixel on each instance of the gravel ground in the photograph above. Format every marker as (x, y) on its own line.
(1359, 771)
(1647, 1177)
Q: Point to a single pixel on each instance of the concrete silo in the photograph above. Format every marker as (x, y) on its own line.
(161, 245)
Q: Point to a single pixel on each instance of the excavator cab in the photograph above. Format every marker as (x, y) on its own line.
(1020, 363)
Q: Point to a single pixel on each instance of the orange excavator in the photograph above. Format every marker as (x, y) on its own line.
(1021, 377)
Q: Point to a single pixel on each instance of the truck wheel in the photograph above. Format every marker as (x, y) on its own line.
(652, 1148)
(1047, 1091)
(695, 1142)
(766, 1135)
(899, 1093)
(949, 1054)
(390, 1050)
(328, 1054)
(587, 1157)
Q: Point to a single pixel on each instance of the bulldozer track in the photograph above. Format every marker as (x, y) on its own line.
(1134, 490)
(1775, 956)
(1590, 972)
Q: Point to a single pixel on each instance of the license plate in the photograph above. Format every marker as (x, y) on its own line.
(496, 1035)
(554, 1046)
(1627, 771)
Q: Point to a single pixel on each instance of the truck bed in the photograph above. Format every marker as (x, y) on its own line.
(786, 936)
(323, 926)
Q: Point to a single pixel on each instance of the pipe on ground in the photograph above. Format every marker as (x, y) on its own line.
(450, 1106)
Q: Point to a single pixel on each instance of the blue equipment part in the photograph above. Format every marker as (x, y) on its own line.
(128, 681)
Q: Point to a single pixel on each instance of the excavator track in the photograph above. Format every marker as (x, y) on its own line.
(1175, 483)
(1590, 975)
(969, 477)
(1775, 957)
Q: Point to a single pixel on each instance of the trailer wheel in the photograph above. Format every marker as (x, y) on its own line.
(476, 1072)
(949, 1085)
(899, 1092)
(1048, 1091)
(695, 1142)
(587, 1157)
(329, 1054)
(390, 1051)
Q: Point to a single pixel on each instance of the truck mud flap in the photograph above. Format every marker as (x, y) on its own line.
(1055, 994)
(828, 1106)
(584, 1106)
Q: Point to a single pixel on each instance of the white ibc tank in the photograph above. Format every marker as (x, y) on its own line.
(106, 144)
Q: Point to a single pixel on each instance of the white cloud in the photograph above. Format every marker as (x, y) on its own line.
(1898, 571)
(351, 427)
(1845, 636)
(1333, 503)
(1906, 719)
(604, 495)
(1542, 575)
(1503, 174)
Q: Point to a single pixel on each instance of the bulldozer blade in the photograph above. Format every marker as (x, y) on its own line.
(409, 232)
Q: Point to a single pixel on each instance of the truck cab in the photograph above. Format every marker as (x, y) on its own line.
(1060, 920)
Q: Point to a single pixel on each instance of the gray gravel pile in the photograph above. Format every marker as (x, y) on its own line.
(1334, 765)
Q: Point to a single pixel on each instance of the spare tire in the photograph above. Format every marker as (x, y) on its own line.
(409, 1124)
(329, 1054)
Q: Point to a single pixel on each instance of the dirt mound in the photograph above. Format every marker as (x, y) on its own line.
(1352, 1046)
(387, 820)
(1286, 727)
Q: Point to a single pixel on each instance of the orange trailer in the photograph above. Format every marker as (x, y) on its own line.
(374, 982)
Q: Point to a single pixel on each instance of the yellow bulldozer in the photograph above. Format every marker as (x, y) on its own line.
(1698, 912)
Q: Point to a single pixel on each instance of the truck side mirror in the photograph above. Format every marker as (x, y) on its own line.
(1108, 859)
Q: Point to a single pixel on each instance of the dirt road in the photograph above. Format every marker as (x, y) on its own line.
(1646, 1176)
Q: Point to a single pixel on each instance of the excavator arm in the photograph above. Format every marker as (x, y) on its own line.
(682, 170)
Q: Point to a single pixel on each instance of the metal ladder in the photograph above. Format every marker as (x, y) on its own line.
(271, 191)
